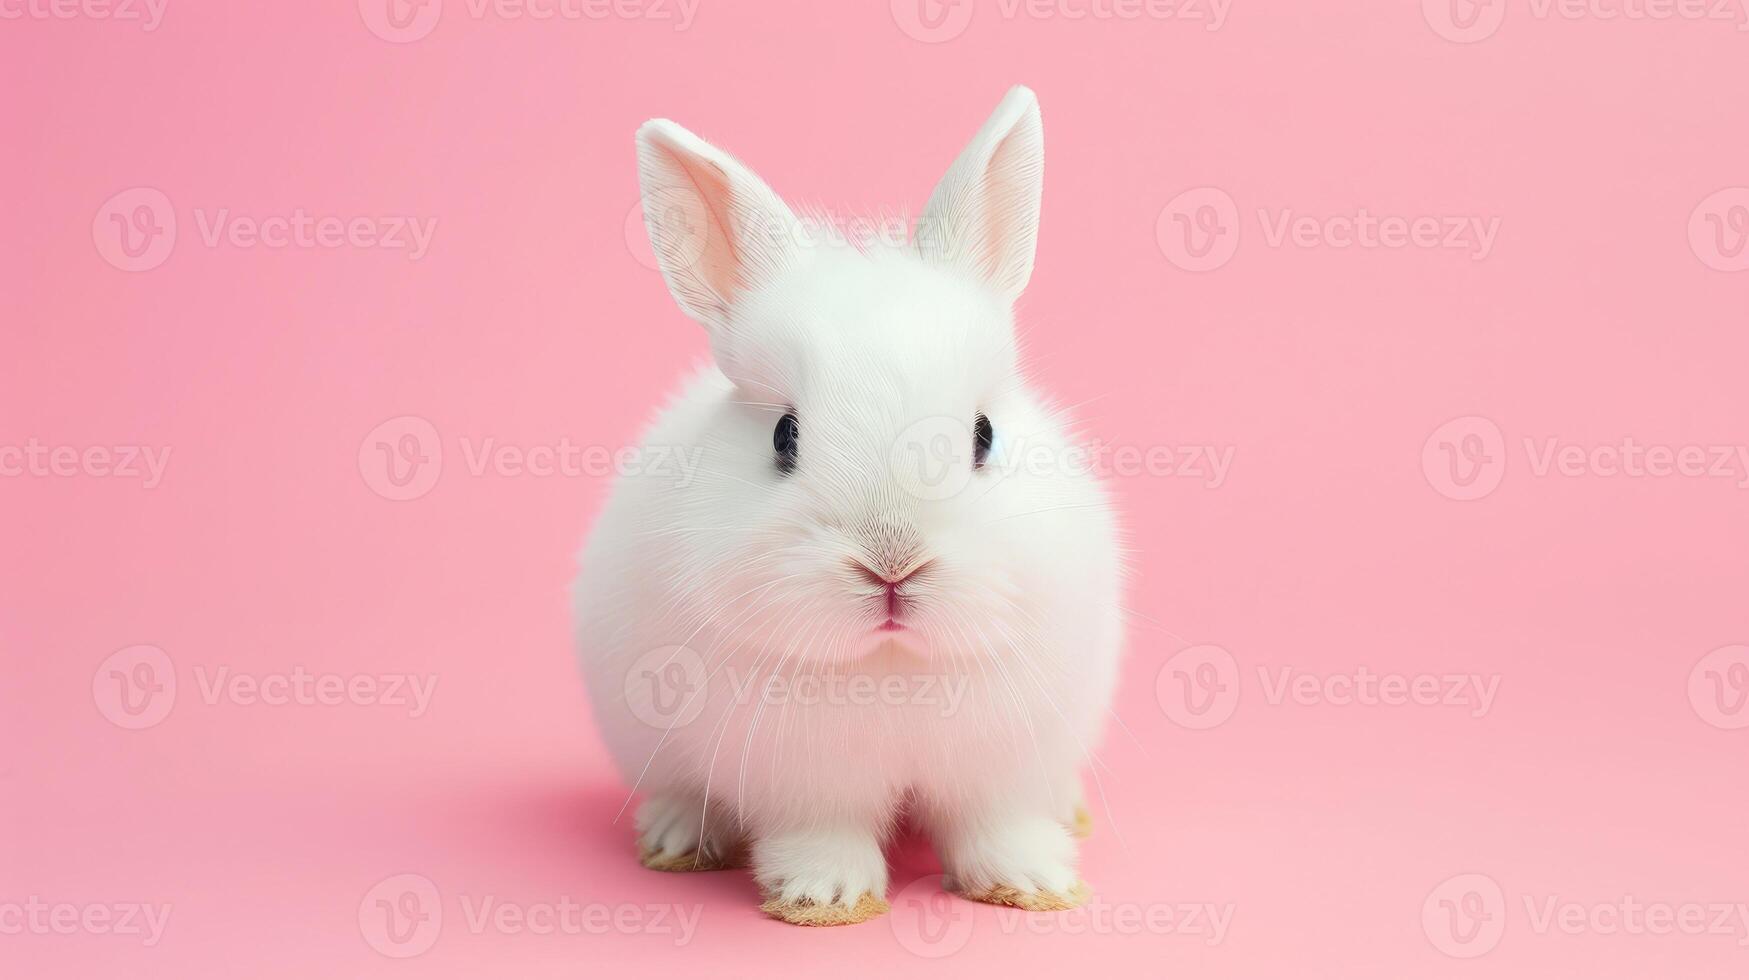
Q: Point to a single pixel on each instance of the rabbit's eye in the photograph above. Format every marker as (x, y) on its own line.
(983, 435)
(783, 439)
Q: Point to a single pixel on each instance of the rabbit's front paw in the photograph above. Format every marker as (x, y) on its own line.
(672, 836)
(821, 877)
(1028, 863)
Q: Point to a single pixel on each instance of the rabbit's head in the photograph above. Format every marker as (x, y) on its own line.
(880, 465)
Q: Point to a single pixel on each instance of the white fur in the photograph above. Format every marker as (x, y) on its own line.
(749, 567)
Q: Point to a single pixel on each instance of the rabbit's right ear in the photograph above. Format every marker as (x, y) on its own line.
(717, 230)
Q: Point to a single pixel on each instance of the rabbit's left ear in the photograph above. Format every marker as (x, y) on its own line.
(983, 216)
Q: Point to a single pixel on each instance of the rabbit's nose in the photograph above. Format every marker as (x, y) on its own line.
(887, 580)
(895, 598)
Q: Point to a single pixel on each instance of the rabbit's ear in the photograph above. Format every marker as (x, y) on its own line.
(717, 230)
(983, 216)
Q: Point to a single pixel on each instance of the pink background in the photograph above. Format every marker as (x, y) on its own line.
(1333, 543)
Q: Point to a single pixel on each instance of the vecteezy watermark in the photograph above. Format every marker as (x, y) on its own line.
(35, 458)
(668, 687)
(136, 688)
(928, 921)
(1630, 916)
(405, 21)
(685, 227)
(34, 917)
(1206, 922)
(933, 459)
(1466, 916)
(299, 687)
(147, 13)
(944, 693)
(1200, 688)
(1199, 230)
(1718, 229)
(1466, 458)
(1718, 687)
(402, 916)
(931, 923)
(936, 21)
(1469, 21)
(1363, 687)
(136, 230)
(402, 459)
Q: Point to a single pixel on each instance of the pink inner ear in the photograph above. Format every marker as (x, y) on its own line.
(719, 261)
(1003, 188)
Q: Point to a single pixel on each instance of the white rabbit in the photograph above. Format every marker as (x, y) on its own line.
(891, 583)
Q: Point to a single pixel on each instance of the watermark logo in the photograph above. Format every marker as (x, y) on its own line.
(666, 687)
(1464, 916)
(932, 21)
(933, 459)
(931, 923)
(148, 13)
(1208, 921)
(401, 916)
(38, 459)
(936, 21)
(301, 687)
(669, 686)
(928, 921)
(1630, 916)
(406, 21)
(1718, 688)
(402, 458)
(401, 21)
(135, 230)
(1718, 230)
(679, 222)
(135, 687)
(1198, 231)
(1465, 459)
(1469, 21)
(1464, 21)
(676, 220)
(1198, 688)
(568, 917)
(1368, 688)
(35, 917)
(302, 230)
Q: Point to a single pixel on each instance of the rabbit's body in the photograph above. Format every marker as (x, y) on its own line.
(903, 607)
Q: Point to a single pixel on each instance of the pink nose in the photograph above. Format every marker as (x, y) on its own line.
(879, 579)
(890, 584)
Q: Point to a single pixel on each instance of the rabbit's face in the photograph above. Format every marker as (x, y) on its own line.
(867, 478)
(878, 402)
